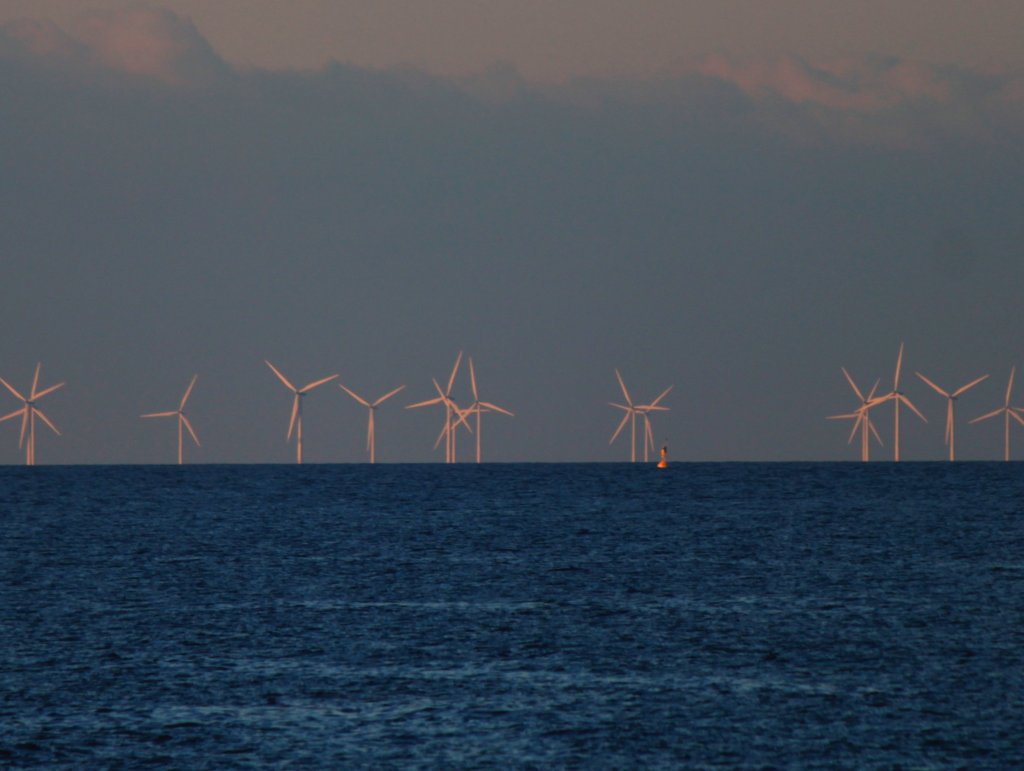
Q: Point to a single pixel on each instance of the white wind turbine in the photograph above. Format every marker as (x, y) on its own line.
(632, 410)
(950, 399)
(296, 419)
(1007, 411)
(897, 396)
(444, 397)
(371, 407)
(182, 418)
(29, 412)
(448, 430)
(861, 418)
(646, 410)
(630, 416)
(479, 407)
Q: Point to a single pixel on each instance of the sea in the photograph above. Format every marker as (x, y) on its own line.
(707, 615)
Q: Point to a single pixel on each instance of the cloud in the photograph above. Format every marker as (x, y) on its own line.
(879, 100)
(140, 42)
(858, 84)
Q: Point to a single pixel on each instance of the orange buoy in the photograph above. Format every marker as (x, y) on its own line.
(663, 463)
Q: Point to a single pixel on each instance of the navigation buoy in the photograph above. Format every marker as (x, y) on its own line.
(663, 463)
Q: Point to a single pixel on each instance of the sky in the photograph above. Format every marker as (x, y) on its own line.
(733, 198)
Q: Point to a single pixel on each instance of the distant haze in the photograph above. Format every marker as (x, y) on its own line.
(551, 40)
(736, 221)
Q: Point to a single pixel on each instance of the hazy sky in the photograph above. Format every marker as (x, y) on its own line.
(763, 193)
(555, 39)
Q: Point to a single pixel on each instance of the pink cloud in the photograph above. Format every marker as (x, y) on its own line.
(149, 42)
(139, 41)
(861, 85)
(872, 100)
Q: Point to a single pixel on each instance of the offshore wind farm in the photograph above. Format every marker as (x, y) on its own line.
(579, 385)
(469, 416)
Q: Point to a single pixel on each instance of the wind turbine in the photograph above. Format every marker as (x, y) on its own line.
(448, 429)
(950, 399)
(646, 410)
(861, 418)
(897, 396)
(479, 406)
(632, 410)
(1006, 410)
(444, 397)
(371, 408)
(296, 419)
(29, 411)
(630, 416)
(182, 418)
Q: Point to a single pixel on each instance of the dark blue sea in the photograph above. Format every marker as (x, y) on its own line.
(513, 616)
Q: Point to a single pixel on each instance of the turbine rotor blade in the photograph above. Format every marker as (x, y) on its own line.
(852, 384)
(899, 363)
(622, 385)
(871, 394)
(874, 430)
(188, 425)
(661, 396)
(317, 383)
(13, 414)
(427, 403)
(35, 381)
(929, 382)
(472, 379)
(388, 395)
(46, 391)
(455, 370)
(856, 425)
(988, 415)
(282, 377)
(973, 383)
(910, 404)
(879, 400)
(354, 395)
(622, 425)
(295, 412)
(444, 432)
(13, 390)
(46, 420)
(188, 392)
(160, 414)
(496, 408)
(1009, 386)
